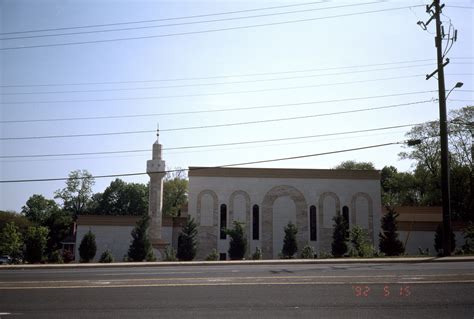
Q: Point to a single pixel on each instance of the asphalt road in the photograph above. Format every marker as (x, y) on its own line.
(424, 290)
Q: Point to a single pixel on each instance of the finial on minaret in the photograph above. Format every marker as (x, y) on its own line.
(157, 130)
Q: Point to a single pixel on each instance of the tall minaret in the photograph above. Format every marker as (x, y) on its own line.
(155, 169)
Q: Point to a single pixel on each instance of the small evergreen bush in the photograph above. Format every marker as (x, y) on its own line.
(340, 236)
(290, 247)
(238, 242)
(88, 247)
(187, 242)
(56, 257)
(170, 254)
(307, 252)
(213, 256)
(361, 246)
(257, 255)
(389, 243)
(140, 248)
(106, 257)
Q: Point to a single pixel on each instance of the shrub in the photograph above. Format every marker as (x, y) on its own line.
(213, 256)
(361, 246)
(423, 252)
(170, 254)
(389, 243)
(106, 257)
(325, 255)
(257, 255)
(289, 242)
(150, 255)
(238, 242)
(68, 256)
(468, 232)
(10, 241)
(187, 243)
(88, 247)
(339, 236)
(56, 257)
(307, 252)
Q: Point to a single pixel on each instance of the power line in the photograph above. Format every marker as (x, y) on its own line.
(222, 76)
(203, 94)
(203, 168)
(162, 19)
(224, 83)
(183, 23)
(214, 110)
(216, 149)
(214, 145)
(214, 125)
(201, 31)
(460, 7)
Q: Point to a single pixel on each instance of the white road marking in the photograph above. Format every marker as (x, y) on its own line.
(154, 273)
(239, 284)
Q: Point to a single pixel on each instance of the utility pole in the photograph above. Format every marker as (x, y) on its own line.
(443, 125)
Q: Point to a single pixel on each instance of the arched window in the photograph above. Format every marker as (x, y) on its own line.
(255, 223)
(345, 214)
(313, 235)
(223, 221)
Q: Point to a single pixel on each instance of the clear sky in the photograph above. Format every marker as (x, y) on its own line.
(313, 47)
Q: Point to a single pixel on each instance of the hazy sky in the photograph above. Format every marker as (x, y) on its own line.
(225, 63)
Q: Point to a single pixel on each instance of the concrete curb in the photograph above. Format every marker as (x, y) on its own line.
(245, 262)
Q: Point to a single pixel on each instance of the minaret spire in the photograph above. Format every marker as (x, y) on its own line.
(156, 170)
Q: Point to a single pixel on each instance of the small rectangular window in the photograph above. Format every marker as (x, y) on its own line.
(222, 256)
(312, 223)
(223, 221)
(255, 223)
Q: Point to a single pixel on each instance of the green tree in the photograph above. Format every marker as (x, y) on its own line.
(88, 247)
(340, 236)
(398, 188)
(290, 247)
(389, 243)
(238, 242)
(20, 221)
(175, 194)
(121, 198)
(353, 165)
(140, 246)
(438, 239)
(361, 246)
(35, 244)
(187, 242)
(11, 241)
(59, 224)
(77, 193)
(38, 209)
(427, 162)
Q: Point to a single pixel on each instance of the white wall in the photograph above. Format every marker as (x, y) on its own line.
(115, 238)
(424, 239)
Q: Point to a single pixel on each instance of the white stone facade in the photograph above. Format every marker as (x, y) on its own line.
(282, 195)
